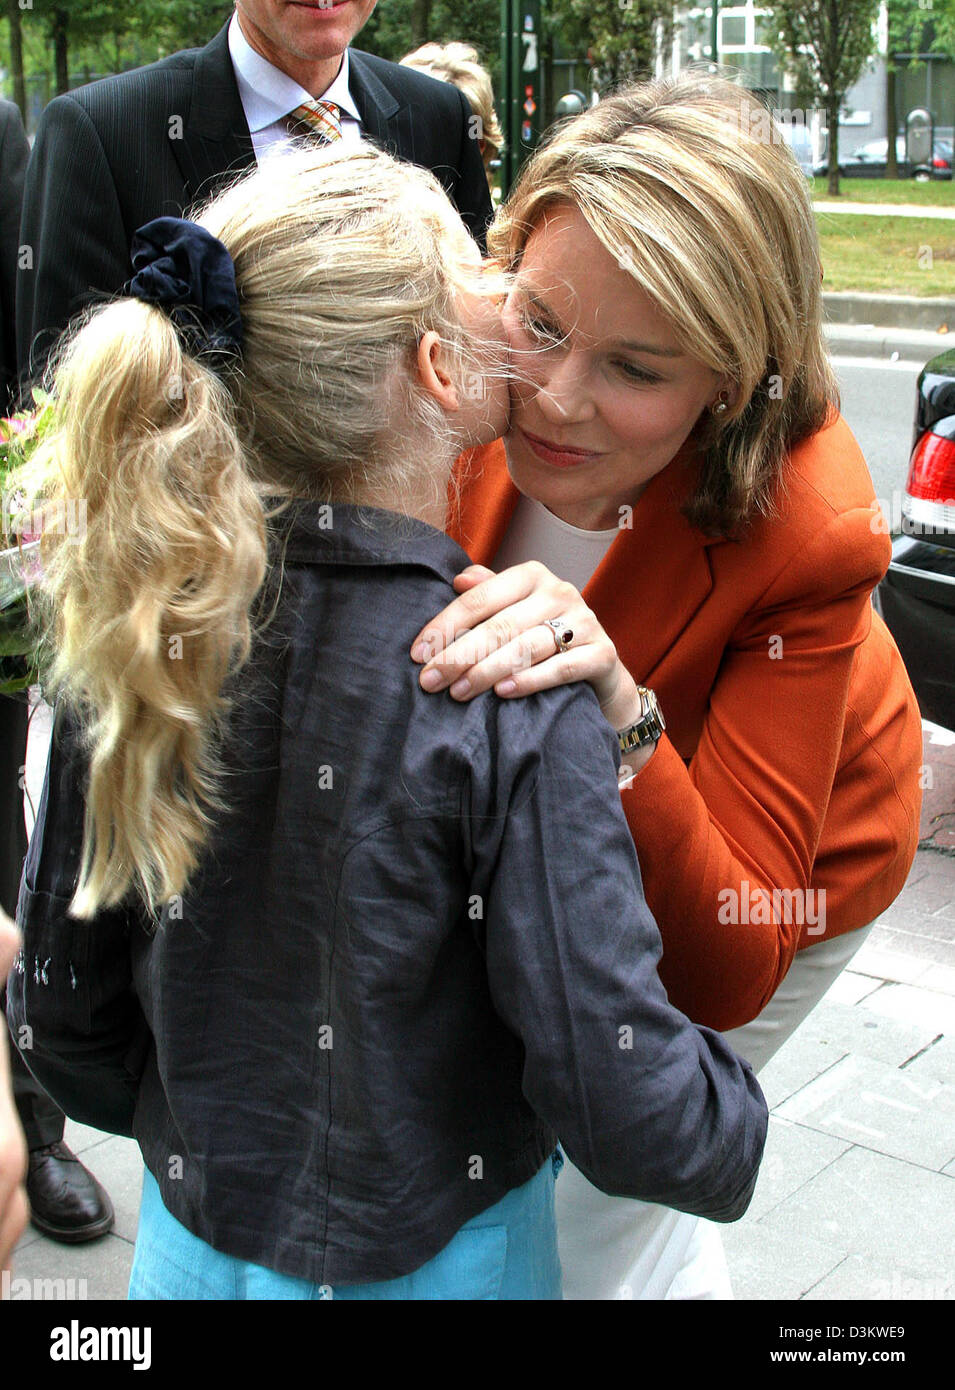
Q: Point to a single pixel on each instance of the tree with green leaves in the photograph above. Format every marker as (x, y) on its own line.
(398, 26)
(96, 37)
(620, 37)
(74, 22)
(825, 45)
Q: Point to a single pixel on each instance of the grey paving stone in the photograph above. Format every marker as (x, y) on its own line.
(905, 917)
(879, 963)
(914, 1005)
(796, 1064)
(858, 1277)
(941, 978)
(766, 1265)
(917, 871)
(792, 1156)
(83, 1138)
(30, 1235)
(936, 890)
(882, 1209)
(949, 1169)
(880, 1107)
(842, 1029)
(103, 1264)
(849, 988)
(934, 1064)
(947, 910)
(936, 949)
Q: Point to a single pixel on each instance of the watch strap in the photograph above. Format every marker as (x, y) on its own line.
(648, 728)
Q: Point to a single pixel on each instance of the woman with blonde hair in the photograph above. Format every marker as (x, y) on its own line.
(313, 938)
(679, 516)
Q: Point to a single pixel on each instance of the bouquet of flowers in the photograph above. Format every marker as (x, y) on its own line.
(19, 557)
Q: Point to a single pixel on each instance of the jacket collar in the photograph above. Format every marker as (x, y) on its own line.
(378, 107)
(342, 534)
(651, 582)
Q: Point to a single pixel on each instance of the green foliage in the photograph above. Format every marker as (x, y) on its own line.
(390, 32)
(926, 27)
(177, 24)
(105, 36)
(619, 36)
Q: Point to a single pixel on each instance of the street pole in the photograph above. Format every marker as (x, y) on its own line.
(714, 30)
(520, 84)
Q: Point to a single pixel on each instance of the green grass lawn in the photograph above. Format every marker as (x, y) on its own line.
(935, 193)
(887, 255)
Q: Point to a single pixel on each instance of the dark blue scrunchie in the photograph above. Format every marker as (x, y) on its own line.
(187, 272)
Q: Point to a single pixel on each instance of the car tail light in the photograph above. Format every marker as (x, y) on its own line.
(939, 163)
(929, 501)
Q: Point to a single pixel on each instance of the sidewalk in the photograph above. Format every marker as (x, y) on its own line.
(856, 1198)
(883, 209)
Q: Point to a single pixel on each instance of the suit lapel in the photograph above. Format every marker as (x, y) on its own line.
(380, 110)
(214, 141)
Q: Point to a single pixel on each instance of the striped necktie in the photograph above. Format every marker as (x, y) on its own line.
(318, 120)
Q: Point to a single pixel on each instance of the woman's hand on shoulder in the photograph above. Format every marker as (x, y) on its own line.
(495, 635)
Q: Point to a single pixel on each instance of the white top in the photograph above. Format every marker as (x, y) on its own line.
(568, 551)
(268, 95)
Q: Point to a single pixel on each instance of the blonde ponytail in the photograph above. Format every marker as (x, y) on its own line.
(150, 601)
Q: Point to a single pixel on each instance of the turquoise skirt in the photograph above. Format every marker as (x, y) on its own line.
(508, 1252)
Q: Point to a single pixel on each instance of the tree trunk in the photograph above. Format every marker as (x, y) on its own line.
(61, 52)
(420, 22)
(832, 116)
(16, 58)
(891, 163)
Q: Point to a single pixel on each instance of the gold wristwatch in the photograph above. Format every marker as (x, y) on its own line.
(648, 728)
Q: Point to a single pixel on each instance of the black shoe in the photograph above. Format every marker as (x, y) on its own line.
(66, 1201)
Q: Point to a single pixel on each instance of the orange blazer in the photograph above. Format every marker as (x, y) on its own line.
(793, 748)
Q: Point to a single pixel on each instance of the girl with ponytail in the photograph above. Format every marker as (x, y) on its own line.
(342, 958)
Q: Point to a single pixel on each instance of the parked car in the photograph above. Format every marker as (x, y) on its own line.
(917, 596)
(868, 161)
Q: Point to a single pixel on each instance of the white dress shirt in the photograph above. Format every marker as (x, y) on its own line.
(268, 95)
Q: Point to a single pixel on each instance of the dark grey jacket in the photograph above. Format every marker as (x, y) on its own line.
(416, 949)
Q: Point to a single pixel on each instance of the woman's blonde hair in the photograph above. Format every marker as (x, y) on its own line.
(343, 260)
(690, 187)
(460, 64)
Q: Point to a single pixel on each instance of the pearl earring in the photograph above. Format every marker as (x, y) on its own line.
(721, 406)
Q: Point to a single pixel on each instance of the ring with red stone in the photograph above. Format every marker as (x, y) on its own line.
(563, 635)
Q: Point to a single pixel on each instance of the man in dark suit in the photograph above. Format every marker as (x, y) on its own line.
(66, 1201)
(149, 143)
